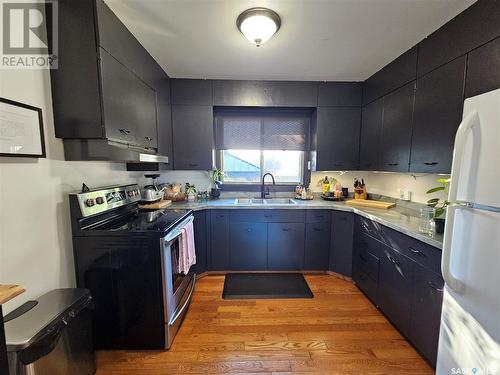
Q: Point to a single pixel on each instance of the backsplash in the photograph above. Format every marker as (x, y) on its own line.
(386, 184)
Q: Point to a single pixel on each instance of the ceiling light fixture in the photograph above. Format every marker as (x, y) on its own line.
(258, 25)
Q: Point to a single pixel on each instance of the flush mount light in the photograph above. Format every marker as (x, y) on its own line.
(258, 25)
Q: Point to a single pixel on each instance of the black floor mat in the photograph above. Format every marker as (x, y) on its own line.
(265, 285)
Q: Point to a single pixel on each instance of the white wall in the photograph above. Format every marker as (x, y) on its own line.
(35, 233)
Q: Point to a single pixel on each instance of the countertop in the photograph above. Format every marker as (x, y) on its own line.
(402, 219)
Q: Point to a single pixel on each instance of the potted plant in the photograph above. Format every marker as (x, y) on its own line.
(217, 176)
(190, 191)
(439, 205)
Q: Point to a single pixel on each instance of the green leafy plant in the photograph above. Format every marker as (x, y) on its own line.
(439, 205)
(217, 176)
(189, 188)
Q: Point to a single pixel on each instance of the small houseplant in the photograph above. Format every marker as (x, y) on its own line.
(190, 191)
(439, 205)
(217, 176)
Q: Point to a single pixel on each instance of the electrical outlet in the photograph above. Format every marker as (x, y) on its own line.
(406, 195)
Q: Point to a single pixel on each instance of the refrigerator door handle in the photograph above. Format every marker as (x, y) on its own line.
(471, 120)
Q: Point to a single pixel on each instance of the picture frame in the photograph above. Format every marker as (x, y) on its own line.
(21, 130)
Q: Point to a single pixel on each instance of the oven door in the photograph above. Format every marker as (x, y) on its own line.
(177, 287)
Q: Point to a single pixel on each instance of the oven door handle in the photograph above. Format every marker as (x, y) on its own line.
(185, 304)
(176, 232)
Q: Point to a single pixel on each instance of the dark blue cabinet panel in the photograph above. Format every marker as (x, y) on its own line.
(318, 216)
(193, 137)
(341, 242)
(200, 241)
(426, 312)
(438, 113)
(248, 246)
(285, 243)
(395, 287)
(483, 69)
(268, 216)
(336, 138)
(219, 240)
(317, 246)
(371, 134)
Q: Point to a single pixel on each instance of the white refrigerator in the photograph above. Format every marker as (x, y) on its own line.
(469, 341)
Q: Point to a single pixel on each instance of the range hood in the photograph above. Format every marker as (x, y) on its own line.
(106, 150)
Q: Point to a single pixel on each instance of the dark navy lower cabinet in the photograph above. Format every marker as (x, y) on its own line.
(248, 246)
(285, 243)
(395, 287)
(200, 241)
(219, 240)
(426, 312)
(341, 242)
(317, 247)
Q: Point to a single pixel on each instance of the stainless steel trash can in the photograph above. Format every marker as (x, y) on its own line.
(52, 335)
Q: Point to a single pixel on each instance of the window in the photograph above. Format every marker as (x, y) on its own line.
(251, 143)
(248, 166)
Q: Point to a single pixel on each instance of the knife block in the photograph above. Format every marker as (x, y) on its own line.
(360, 193)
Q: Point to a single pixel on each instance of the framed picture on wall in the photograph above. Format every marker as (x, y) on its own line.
(21, 130)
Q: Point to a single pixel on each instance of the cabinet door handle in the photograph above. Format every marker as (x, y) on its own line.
(431, 163)
(193, 164)
(392, 164)
(434, 287)
(268, 215)
(286, 229)
(318, 216)
(124, 131)
(415, 251)
(396, 262)
(249, 229)
(220, 216)
(149, 139)
(318, 229)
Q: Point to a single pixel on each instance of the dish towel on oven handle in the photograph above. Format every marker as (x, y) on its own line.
(187, 253)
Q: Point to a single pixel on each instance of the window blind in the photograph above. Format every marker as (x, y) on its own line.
(262, 130)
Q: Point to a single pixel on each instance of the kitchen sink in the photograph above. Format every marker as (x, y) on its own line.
(252, 201)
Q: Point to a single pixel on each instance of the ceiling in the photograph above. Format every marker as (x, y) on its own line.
(330, 40)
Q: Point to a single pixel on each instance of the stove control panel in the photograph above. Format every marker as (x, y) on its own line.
(101, 200)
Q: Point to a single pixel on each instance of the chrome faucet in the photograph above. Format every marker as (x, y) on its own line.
(263, 192)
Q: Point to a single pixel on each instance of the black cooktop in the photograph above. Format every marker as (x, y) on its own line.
(143, 221)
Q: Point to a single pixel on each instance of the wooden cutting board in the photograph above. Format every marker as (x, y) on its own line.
(156, 205)
(7, 292)
(369, 203)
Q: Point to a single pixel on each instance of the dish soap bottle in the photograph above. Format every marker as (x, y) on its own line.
(326, 186)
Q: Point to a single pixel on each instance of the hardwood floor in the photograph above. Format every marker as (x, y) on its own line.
(337, 332)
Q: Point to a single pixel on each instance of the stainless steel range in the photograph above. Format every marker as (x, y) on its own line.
(128, 258)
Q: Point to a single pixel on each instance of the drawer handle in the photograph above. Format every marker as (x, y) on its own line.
(431, 163)
(220, 216)
(318, 229)
(319, 216)
(434, 287)
(415, 251)
(392, 164)
(286, 229)
(193, 164)
(268, 215)
(124, 131)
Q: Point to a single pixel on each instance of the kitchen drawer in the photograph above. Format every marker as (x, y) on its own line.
(316, 216)
(367, 256)
(426, 255)
(367, 226)
(268, 216)
(366, 284)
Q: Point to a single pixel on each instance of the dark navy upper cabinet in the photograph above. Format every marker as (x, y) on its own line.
(475, 26)
(438, 113)
(219, 240)
(483, 70)
(340, 94)
(371, 133)
(191, 92)
(397, 129)
(200, 241)
(248, 246)
(395, 287)
(394, 75)
(341, 242)
(426, 312)
(285, 243)
(164, 120)
(336, 138)
(193, 137)
(265, 93)
(317, 247)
